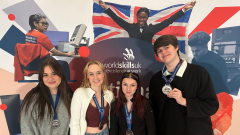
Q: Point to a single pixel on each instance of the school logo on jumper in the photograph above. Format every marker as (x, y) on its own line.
(129, 55)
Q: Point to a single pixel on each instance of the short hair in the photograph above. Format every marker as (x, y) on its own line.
(86, 83)
(199, 38)
(35, 18)
(165, 40)
(143, 9)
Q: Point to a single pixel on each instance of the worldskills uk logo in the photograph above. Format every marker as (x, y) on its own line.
(128, 64)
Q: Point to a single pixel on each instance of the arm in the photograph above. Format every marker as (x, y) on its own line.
(206, 102)
(122, 23)
(28, 123)
(75, 113)
(114, 130)
(46, 43)
(160, 26)
(154, 102)
(149, 118)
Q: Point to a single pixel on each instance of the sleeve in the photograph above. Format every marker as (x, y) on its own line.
(160, 26)
(47, 44)
(75, 113)
(28, 124)
(223, 124)
(153, 101)
(113, 121)
(122, 23)
(149, 118)
(206, 102)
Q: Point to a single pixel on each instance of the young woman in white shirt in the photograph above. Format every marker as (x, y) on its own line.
(88, 114)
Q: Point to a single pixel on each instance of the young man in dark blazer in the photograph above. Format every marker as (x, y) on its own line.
(182, 94)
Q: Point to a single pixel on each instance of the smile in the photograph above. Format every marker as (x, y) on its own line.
(52, 82)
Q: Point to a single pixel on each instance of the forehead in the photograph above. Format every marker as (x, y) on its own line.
(48, 69)
(94, 68)
(196, 47)
(161, 47)
(142, 14)
(129, 80)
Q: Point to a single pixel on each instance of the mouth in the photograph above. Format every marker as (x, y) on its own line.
(128, 92)
(52, 82)
(96, 81)
(165, 56)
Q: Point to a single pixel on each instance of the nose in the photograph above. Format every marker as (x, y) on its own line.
(95, 76)
(128, 88)
(50, 77)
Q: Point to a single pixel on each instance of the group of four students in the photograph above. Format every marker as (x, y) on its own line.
(182, 99)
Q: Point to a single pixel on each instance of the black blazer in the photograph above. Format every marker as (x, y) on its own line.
(118, 124)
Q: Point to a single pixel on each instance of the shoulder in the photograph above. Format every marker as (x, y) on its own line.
(80, 91)
(147, 101)
(114, 103)
(156, 76)
(36, 34)
(109, 95)
(198, 69)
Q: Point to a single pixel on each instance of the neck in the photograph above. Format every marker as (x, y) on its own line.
(53, 91)
(171, 66)
(96, 89)
(129, 98)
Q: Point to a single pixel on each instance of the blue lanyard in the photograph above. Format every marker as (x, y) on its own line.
(100, 110)
(173, 75)
(128, 116)
(55, 106)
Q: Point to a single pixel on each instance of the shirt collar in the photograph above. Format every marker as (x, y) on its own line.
(180, 71)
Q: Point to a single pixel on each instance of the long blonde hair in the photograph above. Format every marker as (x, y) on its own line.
(86, 83)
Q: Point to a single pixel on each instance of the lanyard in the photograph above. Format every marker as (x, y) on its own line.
(100, 110)
(55, 106)
(173, 75)
(128, 116)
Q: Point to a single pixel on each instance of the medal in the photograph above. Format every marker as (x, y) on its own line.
(55, 121)
(100, 125)
(55, 124)
(129, 132)
(166, 89)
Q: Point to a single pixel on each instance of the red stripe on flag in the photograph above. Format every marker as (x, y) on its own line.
(119, 13)
(105, 21)
(135, 14)
(173, 30)
(168, 16)
(106, 36)
(215, 19)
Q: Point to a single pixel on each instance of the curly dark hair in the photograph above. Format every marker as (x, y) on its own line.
(35, 18)
(199, 38)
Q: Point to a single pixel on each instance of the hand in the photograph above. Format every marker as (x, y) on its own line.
(177, 95)
(102, 4)
(71, 53)
(189, 5)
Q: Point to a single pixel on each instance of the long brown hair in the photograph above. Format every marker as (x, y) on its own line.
(139, 102)
(86, 83)
(39, 95)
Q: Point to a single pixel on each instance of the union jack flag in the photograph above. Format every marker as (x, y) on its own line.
(105, 27)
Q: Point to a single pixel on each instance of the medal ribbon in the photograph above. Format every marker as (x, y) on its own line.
(100, 110)
(173, 75)
(128, 116)
(55, 106)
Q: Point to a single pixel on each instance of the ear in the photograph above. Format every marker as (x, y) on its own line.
(35, 24)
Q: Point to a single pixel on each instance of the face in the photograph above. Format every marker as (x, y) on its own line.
(198, 52)
(142, 18)
(168, 54)
(129, 87)
(51, 79)
(42, 25)
(95, 75)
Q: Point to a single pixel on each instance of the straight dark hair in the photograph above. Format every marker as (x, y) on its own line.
(40, 95)
(139, 102)
(35, 18)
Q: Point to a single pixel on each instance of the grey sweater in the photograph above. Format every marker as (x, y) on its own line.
(32, 126)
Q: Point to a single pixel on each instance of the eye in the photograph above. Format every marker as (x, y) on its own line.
(54, 74)
(90, 74)
(159, 51)
(99, 73)
(166, 47)
(133, 85)
(45, 75)
(125, 84)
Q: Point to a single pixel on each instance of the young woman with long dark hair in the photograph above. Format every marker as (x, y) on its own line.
(45, 110)
(91, 102)
(131, 113)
